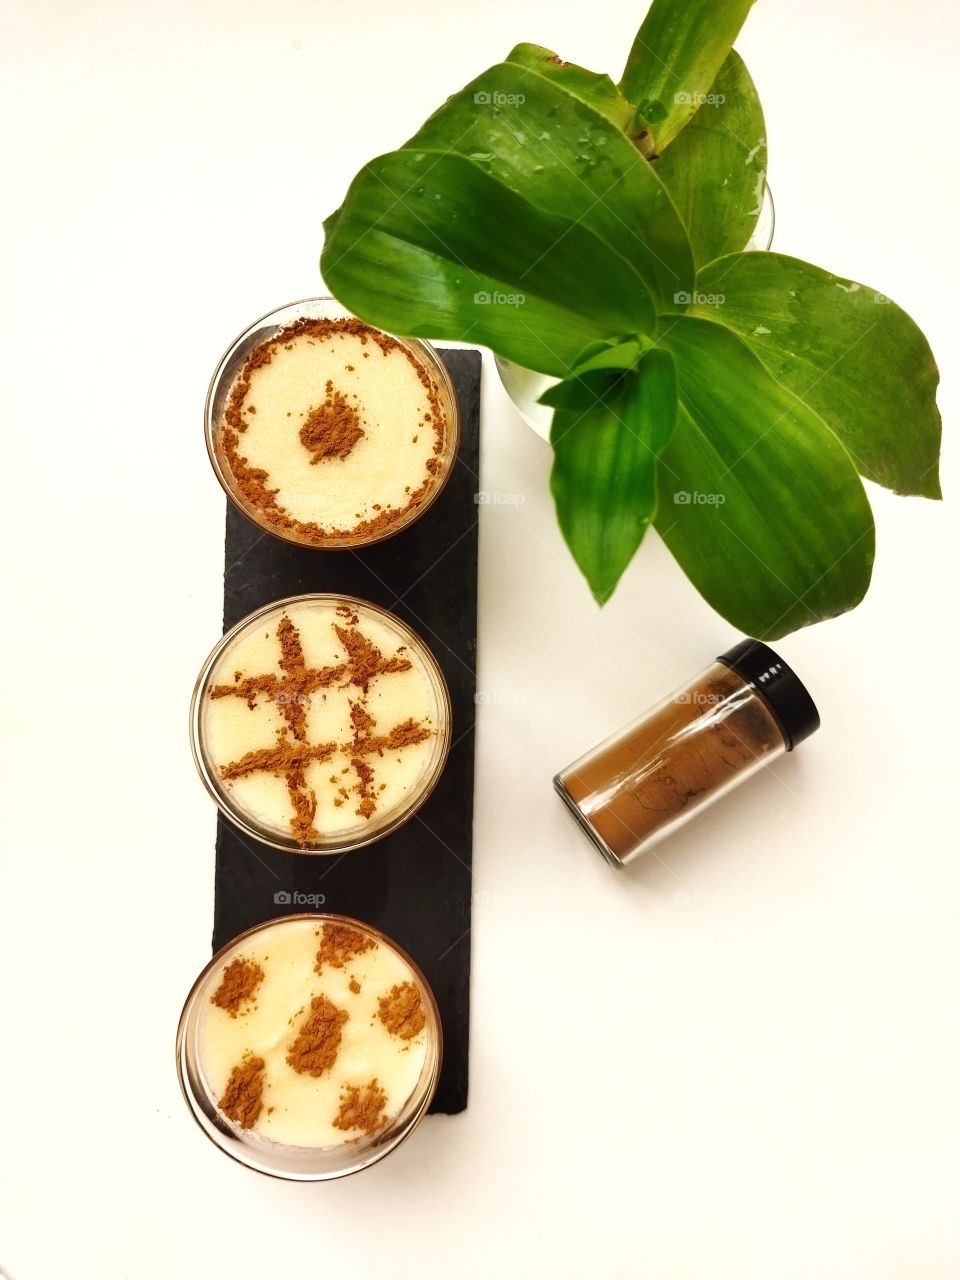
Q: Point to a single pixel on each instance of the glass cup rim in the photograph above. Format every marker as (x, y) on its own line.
(206, 772)
(216, 1130)
(420, 347)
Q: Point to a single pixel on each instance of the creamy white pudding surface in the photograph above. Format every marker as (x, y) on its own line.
(312, 1034)
(320, 722)
(333, 431)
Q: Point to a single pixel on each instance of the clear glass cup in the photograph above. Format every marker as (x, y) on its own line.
(525, 387)
(218, 669)
(267, 327)
(280, 1160)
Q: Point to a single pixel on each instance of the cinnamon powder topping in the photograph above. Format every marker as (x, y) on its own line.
(285, 756)
(304, 801)
(240, 980)
(364, 659)
(339, 943)
(329, 432)
(291, 694)
(362, 1108)
(401, 1010)
(242, 1099)
(318, 1040)
(332, 430)
(367, 805)
(407, 734)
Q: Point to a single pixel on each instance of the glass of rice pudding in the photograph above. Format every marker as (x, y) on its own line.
(328, 432)
(309, 1047)
(320, 723)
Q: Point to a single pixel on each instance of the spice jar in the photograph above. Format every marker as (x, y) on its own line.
(640, 785)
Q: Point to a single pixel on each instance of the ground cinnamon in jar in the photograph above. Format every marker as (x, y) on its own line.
(643, 783)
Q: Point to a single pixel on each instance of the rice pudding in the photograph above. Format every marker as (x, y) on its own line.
(331, 433)
(309, 1047)
(320, 722)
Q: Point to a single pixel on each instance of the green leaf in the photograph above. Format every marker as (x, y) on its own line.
(716, 169)
(429, 244)
(596, 373)
(611, 355)
(855, 357)
(675, 58)
(604, 471)
(761, 504)
(529, 130)
(595, 89)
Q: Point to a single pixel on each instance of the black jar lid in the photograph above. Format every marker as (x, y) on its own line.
(778, 685)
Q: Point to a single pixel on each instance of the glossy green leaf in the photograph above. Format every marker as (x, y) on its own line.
(429, 244)
(855, 357)
(716, 169)
(595, 374)
(615, 355)
(595, 89)
(675, 58)
(760, 503)
(527, 129)
(605, 466)
(544, 211)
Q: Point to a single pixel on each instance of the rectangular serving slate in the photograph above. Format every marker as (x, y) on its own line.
(415, 884)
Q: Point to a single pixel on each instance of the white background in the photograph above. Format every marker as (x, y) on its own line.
(738, 1060)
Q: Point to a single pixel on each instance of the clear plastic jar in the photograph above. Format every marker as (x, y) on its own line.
(651, 777)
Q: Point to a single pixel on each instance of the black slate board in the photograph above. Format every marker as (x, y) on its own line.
(415, 884)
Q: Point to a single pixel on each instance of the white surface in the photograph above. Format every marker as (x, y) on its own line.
(739, 1060)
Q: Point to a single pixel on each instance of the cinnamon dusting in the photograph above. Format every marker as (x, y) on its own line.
(401, 1010)
(407, 734)
(364, 789)
(242, 1099)
(291, 692)
(339, 943)
(318, 1041)
(240, 979)
(364, 659)
(330, 432)
(362, 1108)
(332, 429)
